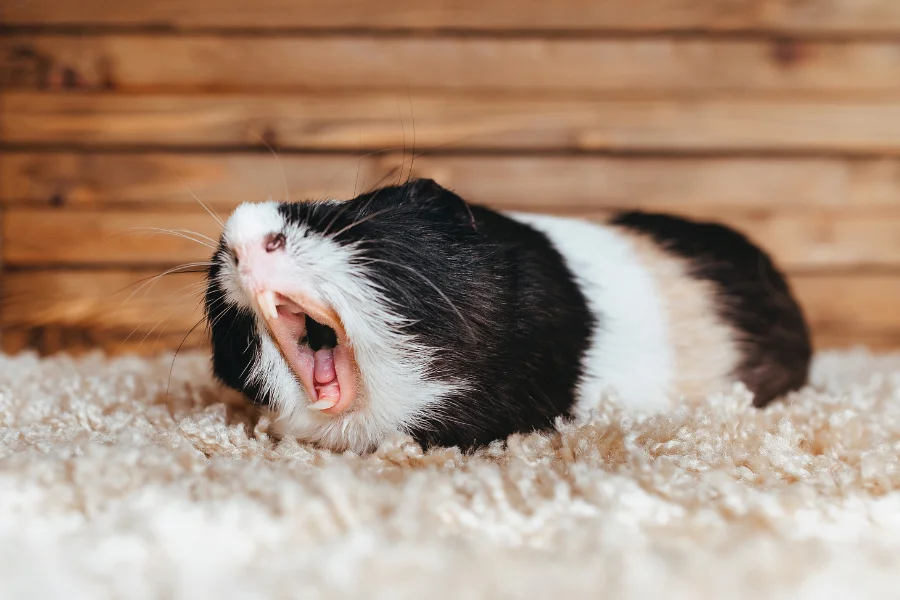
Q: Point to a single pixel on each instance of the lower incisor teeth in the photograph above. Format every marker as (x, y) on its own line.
(322, 404)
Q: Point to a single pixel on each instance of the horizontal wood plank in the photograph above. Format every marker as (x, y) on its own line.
(383, 122)
(848, 302)
(119, 300)
(831, 16)
(39, 237)
(844, 340)
(470, 64)
(799, 241)
(115, 342)
(220, 180)
(520, 182)
(111, 303)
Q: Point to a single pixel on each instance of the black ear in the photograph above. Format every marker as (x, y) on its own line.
(428, 193)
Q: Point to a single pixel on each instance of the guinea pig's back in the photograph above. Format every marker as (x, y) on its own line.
(683, 309)
(746, 291)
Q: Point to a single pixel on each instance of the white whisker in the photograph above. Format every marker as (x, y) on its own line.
(363, 220)
(182, 233)
(449, 302)
(208, 209)
(152, 280)
(280, 166)
(171, 314)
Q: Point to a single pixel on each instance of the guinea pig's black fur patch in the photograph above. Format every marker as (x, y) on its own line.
(490, 295)
(752, 295)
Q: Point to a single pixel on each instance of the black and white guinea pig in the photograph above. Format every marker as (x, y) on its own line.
(409, 310)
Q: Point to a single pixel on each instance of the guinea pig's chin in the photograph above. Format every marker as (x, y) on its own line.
(328, 374)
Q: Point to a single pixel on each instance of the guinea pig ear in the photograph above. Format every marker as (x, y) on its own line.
(428, 193)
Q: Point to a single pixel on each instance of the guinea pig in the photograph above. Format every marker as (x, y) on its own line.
(407, 309)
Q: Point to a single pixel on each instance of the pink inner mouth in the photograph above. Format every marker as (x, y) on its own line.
(327, 374)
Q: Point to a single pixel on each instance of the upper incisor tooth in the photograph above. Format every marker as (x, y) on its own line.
(266, 301)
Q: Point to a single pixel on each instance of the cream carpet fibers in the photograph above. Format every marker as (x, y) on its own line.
(108, 490)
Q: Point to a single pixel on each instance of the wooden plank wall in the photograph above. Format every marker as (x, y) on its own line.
(781, 117)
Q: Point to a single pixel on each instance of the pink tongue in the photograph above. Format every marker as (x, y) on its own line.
(324, 371)
(327, 386)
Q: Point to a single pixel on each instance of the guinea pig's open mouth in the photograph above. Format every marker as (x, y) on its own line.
(313, 342)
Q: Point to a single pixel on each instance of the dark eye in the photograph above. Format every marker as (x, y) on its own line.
(275, 241)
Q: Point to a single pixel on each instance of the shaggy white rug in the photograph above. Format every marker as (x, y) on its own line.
(110, 490)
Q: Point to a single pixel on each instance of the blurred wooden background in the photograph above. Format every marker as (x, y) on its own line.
(781, 117)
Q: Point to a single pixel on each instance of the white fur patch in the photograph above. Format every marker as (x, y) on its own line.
(251, 222)
(630, 353)
(393, 390)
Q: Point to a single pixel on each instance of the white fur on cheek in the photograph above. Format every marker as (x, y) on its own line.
(394, 388)
(630, 352)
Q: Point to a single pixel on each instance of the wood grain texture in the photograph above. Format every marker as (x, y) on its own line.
(778, 117)
(863, 303)
(79, 341)
(376, 122)
(839, 340)
(799, 241)
(470, 64)
(40, 237)
(104, 304)
(92, 180)
(154, 179)
(102, 299)
(818, 16)
(119, 312)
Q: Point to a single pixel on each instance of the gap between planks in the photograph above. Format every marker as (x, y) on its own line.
(828, 16)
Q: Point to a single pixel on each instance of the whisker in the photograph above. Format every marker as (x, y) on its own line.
(363, 220)
(390, 172)
(215, 316)
(358, 163)
(384, 178)
(163, 328)
(208, 209)
(171, 312)
(345, 206)
(196, 233)
(432, 284)
(181, 232)
(218, 319)
(249, 362)
(143, 279)
(158, 323)
(176, 233)
(402, 156)
(152, 280)
(219, 303)
(173, 315)
(412, 114)
(280, 166)
(177, 350)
